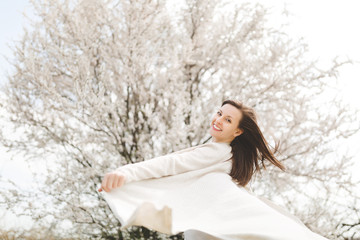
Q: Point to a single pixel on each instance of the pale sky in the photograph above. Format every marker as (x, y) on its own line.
(329, 27)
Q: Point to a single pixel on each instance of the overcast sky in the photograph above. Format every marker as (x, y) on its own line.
(329, 27)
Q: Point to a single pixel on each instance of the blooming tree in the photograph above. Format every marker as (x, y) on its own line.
(99, 84)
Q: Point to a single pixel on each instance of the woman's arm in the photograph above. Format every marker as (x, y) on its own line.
(185, 160)
(178, 162)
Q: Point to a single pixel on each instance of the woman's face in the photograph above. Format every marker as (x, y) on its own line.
(227, 119)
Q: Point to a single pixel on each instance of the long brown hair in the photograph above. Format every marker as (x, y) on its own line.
(250, 147)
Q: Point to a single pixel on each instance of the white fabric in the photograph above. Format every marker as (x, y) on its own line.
(191, 191)
(198, 235)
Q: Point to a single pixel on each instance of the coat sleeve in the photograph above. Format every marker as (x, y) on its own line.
(175, 163)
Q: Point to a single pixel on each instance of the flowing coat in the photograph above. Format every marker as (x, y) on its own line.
(191, 189)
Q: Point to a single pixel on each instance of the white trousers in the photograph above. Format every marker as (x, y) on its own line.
(198, 235)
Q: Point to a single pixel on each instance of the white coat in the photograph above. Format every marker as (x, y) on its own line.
(191, 190)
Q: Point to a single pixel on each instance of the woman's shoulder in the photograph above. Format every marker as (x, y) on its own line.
(217, 146)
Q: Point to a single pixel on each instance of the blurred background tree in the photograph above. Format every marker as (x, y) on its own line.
(99, 84)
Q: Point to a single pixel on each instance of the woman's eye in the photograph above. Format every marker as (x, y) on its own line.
(219, 113)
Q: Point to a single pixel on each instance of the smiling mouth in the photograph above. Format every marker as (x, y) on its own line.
(216, 128)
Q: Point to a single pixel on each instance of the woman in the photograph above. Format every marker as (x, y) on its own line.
(202, 191)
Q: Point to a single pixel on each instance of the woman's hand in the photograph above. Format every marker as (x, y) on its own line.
(112, 180)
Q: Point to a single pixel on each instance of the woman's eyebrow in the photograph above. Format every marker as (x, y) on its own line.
(227, 115)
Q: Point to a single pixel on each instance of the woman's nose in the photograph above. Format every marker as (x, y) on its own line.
(218, 121)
